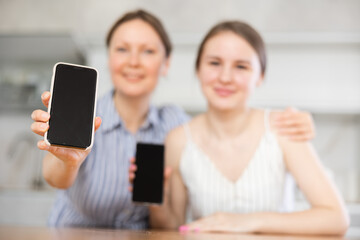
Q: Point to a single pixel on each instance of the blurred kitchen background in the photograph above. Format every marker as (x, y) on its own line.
(314, 65)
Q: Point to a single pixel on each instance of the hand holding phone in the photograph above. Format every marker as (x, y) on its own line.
(149, 181)
(72, 106)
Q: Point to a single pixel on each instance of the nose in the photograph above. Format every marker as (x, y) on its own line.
(225, 75)
(134, 58)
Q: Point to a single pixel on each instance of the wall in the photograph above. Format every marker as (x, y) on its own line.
(322, 78)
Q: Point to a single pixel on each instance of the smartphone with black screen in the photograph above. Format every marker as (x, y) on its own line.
(149, 176)
(72, 106)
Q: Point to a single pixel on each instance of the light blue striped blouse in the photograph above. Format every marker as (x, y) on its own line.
(100, 197)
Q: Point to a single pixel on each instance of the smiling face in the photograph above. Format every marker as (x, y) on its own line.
(229, 70)
(136, 58)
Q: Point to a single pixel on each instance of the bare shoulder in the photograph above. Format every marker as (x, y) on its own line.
(178, 135)
(273, 116)
(176, 141)
(296, 153)
(284, 142)
(258, 119)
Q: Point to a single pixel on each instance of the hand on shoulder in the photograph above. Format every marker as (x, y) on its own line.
(293, 124)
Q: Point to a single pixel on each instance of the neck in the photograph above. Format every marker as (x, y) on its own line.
(133, 111)
(227, 124)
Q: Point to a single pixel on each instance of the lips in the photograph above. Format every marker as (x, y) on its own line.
(223, 92)
(133, 77)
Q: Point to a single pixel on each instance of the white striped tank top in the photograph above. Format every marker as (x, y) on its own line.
(260, 187)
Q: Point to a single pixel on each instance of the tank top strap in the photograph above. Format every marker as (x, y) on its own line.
(267, 120)
(187, 132)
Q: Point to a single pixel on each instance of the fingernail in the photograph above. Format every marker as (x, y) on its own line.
(45, 115)
(41, 145)
(46, 95)
(183, 228)
(196, 229)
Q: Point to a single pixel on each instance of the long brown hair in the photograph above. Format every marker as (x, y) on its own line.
(241, 29)
(148, 18)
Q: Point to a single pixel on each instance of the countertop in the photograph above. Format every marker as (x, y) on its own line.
(43, 233)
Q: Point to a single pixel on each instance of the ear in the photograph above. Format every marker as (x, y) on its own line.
(260, 80)
(165, 66)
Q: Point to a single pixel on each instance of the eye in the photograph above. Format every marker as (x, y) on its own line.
(214, 63)
(241, 66)
(149, 51)
(121, 49)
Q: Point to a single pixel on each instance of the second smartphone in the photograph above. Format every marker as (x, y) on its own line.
(149, 176)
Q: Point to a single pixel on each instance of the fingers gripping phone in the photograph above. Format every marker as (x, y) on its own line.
(72, 106)
(149, 176)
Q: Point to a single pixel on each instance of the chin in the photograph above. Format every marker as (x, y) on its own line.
(133, 90)
(135, 94)
(223, 106)
(227, 104)
(130, 92)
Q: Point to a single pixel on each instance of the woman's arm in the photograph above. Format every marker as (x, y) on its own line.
(171, 214)
(60, 165)
(61, 173)
(327, 214)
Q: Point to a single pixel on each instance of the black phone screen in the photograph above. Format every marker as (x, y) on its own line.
(72, 106)
(148, 183)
